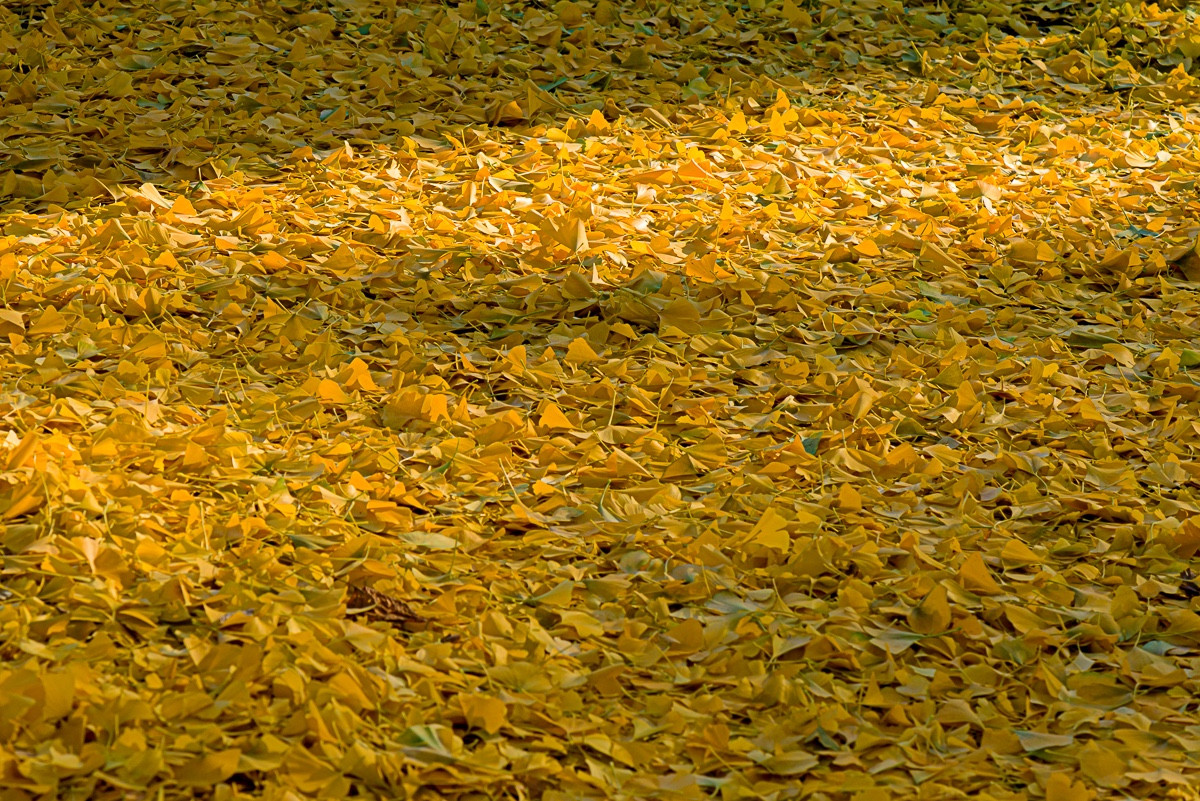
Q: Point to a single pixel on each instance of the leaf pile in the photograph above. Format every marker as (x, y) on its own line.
(605, 400)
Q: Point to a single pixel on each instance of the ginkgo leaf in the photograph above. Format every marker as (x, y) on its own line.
(1061, 787)
(771, 531)
(209, 769)
(553, 418)
(976, 577)
(580, 352)
(483, 711)
(932, 614)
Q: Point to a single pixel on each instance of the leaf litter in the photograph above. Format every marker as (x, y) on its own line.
(599, 400)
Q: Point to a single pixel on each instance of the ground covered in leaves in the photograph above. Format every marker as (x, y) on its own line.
(598, 400)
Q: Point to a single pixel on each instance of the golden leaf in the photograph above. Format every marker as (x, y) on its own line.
(932, 614)
(485, 712)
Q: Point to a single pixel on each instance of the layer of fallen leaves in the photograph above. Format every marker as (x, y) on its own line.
(598, 401)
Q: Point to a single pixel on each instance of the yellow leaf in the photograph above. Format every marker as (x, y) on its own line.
(574, 236)
(1028, 251)
(119, 84)
(329, 392)
(932, 615)
(484, 711)
(688, 636)
(949, 378)
(150, 192)
(559, 595)
(19, 455)
(938, 257)
(771, 531)
(358, 376)
(1059, 787)
(775, 124)
(580, 352)
(1017, 552)
(795, 16)
(341, 259)
(637, 59)
(570, 233)
(50, 321)
(868, 248)
(209, 769)
(848, 499)
(183, 206)
(517, 357)
(553, 419)
(806, 523)
(1102, 764)
(976, 577)
(596, 123)
(59, 688)
(150, 347)
(435, 407)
